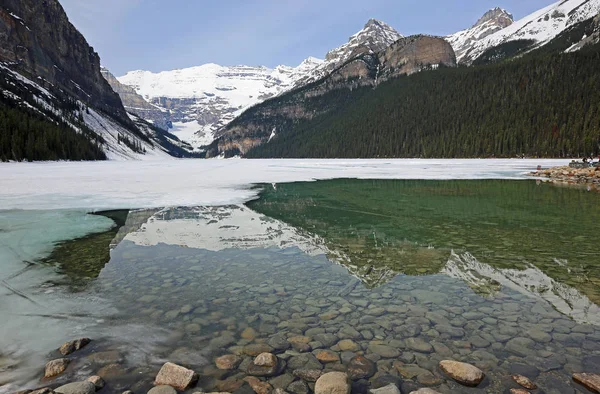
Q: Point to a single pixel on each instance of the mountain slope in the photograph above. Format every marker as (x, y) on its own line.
(492, 21)
(522, 107)
(264, 123)
(135, 104)
(202, 99)
(49, 73)
(537, 28)
(375, 37)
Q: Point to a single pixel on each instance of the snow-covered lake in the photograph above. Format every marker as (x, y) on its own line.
(135, 184)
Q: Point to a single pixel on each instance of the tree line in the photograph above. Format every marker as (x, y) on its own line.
(544, 104)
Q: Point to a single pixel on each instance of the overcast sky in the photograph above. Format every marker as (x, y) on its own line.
(159, 35)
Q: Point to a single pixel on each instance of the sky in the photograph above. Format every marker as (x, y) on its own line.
(158, 35)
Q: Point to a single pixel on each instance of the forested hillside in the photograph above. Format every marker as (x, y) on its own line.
(543, 104)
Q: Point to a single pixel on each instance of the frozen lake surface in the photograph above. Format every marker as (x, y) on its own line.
(110, 185)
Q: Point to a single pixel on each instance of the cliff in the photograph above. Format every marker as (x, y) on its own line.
(37, 40)
(135, 104)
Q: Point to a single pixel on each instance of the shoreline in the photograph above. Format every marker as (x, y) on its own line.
(567, 175)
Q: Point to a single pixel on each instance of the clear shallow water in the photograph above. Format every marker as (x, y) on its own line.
(330, 261)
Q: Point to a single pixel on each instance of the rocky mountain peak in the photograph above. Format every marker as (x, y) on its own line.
(374, 37)
(497, 16)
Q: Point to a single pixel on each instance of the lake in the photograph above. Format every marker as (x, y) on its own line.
(500, 273)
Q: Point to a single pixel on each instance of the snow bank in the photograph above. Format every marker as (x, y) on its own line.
(135, 184)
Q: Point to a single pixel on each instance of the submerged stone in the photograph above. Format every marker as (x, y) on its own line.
(463, 373)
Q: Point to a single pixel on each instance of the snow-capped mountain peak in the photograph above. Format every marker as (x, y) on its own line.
(492, 21)
(202, 99)
(540, 27)
(497, 16)
(375, 37)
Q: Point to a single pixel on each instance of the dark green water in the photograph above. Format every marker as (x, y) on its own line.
(506, 224)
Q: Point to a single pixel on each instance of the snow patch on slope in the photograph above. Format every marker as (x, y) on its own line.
(540, 26)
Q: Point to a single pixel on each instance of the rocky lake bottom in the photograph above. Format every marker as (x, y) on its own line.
(380, 280)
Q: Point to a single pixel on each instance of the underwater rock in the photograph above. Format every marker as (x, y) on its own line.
(463, 373)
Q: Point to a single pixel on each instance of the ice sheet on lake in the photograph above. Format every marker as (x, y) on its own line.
(108, 185)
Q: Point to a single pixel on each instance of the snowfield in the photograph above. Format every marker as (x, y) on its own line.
(150, 184)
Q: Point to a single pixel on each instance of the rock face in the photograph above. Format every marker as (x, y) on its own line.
(463, 373)
(54, 51)
(261, 123)
(136, 104)
(375, 37)
(176, 376)
(333, 383)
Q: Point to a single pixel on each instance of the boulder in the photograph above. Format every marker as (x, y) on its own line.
(361, 368)
(333, 383)
(524, 381)
(425, 391)
(97, 381)
(589, 380)
(176, 376)
(228, 361)
(72, 346)
(389, 389)
(463, 373)
(162, 390)
(77, 388)
(56, 367)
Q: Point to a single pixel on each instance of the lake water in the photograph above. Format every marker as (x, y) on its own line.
(501, 274)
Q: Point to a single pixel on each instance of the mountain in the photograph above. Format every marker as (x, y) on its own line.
(537, 105)
(492, 21)
(373, 38)
(203, 99)
(136, 104)
(55, 102)
(532, 31)
(264, 123)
